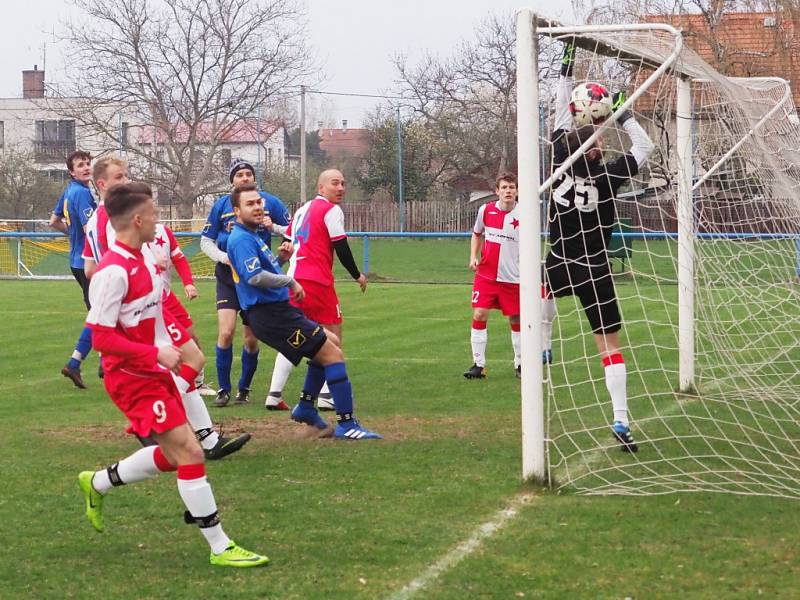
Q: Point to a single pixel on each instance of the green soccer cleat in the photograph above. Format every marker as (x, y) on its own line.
(236, 556)
(94, 500)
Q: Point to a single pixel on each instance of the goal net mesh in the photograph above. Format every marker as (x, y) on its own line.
(738, 430)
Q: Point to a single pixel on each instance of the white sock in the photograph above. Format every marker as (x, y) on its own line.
(199, 500)
(548, 315)
(516, 344)
(198, 417)
(478, 339)
(616, 384)
(280, 374)
(137, 467)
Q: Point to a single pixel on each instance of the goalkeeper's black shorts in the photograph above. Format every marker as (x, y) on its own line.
(594, 287)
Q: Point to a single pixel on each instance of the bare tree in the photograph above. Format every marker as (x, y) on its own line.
(468, 101)
(183, 74)
(25, 193)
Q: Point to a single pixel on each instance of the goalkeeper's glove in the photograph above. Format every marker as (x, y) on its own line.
(568, 60)
(617, 100)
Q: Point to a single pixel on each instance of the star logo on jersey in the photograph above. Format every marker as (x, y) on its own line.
(514, 223)
(160, 241)
(251, 264)
(297, 339)
(157, 269)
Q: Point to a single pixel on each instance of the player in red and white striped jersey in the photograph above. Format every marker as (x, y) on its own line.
(496, 237)
(164, 251)
(316, 231)
(129, 329)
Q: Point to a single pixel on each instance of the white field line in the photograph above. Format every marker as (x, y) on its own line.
(465, 548)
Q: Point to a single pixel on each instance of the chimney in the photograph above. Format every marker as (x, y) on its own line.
(33, 83)
(344, 125)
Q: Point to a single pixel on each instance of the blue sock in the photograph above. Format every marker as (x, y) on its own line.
(315, 379)
(249, 366)
(224, 361)
(83, 347)
(341, 390)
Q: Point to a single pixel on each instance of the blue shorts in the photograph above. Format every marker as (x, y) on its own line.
(286, 329)
(226, 291)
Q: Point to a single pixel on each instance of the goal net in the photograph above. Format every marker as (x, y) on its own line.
(704, 257)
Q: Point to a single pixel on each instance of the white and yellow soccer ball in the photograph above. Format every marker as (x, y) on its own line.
(590, 104)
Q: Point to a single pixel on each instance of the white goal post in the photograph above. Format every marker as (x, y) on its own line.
(716, 221)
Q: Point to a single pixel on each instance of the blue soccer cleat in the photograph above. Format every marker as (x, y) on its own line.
(309, 416)
(622, 433)
(352, 430)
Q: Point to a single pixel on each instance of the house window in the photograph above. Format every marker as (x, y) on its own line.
(53, 140)
(2, 134)
(269, 156)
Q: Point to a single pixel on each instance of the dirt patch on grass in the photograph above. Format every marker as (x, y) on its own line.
(280, 430)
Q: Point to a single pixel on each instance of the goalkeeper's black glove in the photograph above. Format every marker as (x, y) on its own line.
(568, 60)
(617, 100)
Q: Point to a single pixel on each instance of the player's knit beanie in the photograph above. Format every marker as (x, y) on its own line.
(237, 164)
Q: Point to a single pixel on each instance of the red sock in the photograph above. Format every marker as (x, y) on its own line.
(189, 375)
(479, 324)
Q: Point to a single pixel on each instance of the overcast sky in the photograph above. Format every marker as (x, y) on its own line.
(354, 40)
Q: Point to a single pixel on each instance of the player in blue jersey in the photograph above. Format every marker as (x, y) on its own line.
(70, 215)
(214, 243)
(263, 292)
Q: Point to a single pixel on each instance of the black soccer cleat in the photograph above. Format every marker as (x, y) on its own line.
(622, 433)
(74, 375)
(100, 372)
(226, 446)
(518, 372)
(222, 399)
(475, 372)
(243, 396)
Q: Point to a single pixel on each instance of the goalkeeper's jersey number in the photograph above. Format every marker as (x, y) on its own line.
(579, 192)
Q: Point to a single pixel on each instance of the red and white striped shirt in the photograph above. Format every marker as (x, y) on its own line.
(125, 294)
(500, 254)
(164, 250)
(314, 228)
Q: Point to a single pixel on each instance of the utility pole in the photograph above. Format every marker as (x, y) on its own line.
(302, 144)
(400, 204)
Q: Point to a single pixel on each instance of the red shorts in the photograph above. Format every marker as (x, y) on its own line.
(487, 293)
(149, 399)
(174, 306)
(176, 331)
(320, 303)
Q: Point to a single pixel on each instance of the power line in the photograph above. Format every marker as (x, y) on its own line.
(326, 93)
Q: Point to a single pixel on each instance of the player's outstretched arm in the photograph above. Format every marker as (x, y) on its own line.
(563, 118)
(641, 144)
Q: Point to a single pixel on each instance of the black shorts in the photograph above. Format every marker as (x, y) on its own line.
(226, 291)
(286, 329)
(80, 277)
(594, 286)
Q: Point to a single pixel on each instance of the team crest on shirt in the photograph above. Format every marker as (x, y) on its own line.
(87, 212)
(251, 264)
(297, 339)
(206, 227)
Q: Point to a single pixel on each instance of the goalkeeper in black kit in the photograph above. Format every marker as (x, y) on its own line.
(581, 216)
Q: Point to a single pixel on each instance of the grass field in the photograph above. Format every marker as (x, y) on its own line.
(363, 520)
